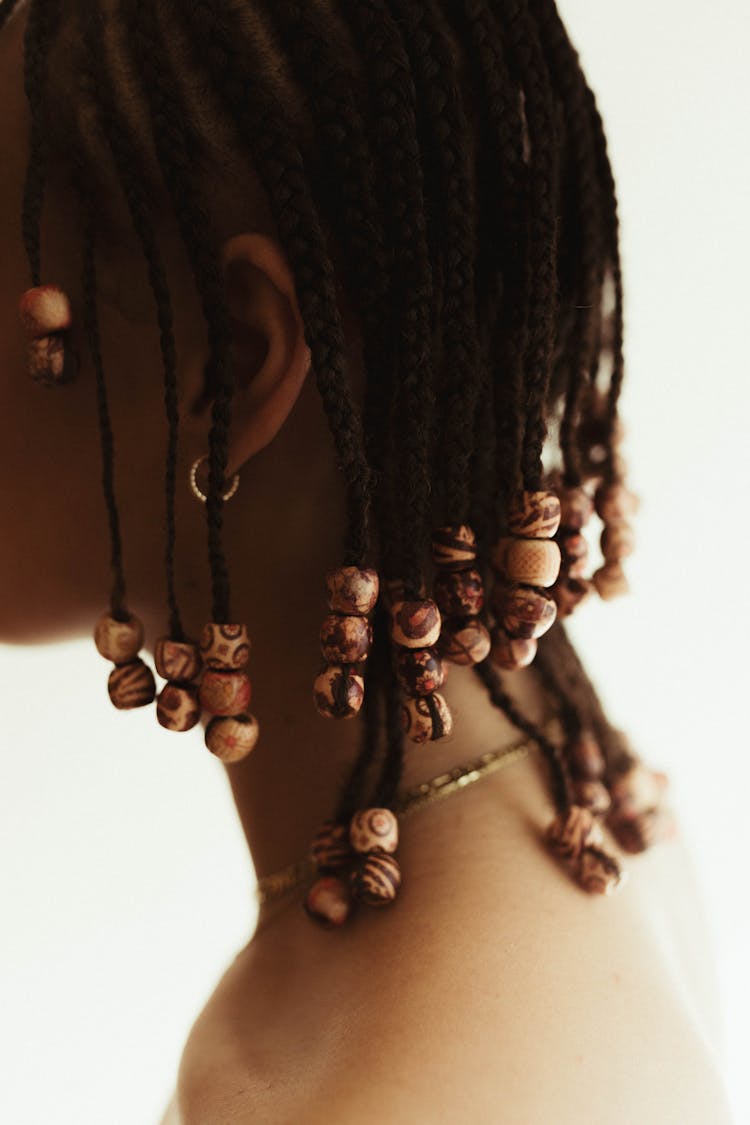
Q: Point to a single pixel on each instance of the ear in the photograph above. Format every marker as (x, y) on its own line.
(270, 358)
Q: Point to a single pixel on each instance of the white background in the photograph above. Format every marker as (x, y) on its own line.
(124, 884)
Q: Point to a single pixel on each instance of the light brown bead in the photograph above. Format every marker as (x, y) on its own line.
(374, 830)
(224, 647)
(592, 795)
(574, 551)
(50, 361)
(329, 901)
(232, 738)
(586, 758)
(573, 830)
(459, 593)
(426, 718)
(535, 515)
(131, 685)
(618, 541)
(599, 873)
(569, 593)
(511, 653)
(338, 692)
(465, 642)
(535, 562)
(615, 502)
(351, 589)
(177, 707)
(45, 310)
(224, 693)
(177, 660)
(420, 671)
(454, 548)
(415, 624)
(376, 879)
(331, 849)
(610, 581)
(345, 640)
(526, 611)
(118, 641)
(576, 508)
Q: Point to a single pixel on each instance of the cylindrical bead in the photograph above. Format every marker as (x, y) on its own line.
(610, 581)
(573, 830)
(615, 502)
(374, 830)
(526, 611)
(511, 653)
(44, 311)
(426, 718)
(599, 872)
(177, 706)
(350, 589)
(232, 738)
(618, 541)
(177, 660)
(338, 692)
(576, 508)
(131, 685)
(459, 593)
(586, 758)
(535, 515)
(51, 361)
(415, 624)
(569, 593)
(454, 548)
(420, 671)
(329, 901)
(376, 879)
(345, 640)
(224, 693)
(535, 562)
(225, 647)
(118, 641)
(331, 849)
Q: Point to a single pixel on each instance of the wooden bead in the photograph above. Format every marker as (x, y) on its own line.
(177, 660)
(592, 795)
(618, 541)
(573, 830)
(331, 849)
(454, 548)
(118, 641)
(420, 671)
(586, 758)
(224, 693)
(536, 562)
(50, 361)
(599, 873)
(131, 685)
(177, 707)
(511, 653)
(465, 642)
(574, 551)
(345, 640)
(376, 879)
(459, 593)
(415, 624)
(636, 791)
(610, 581)
(535, 515)
(426, 718)
(576, 508)
(329, 901)
(44, 311)
(526, 611)
(350, 589)
(374, 830)
(338, 692)
(569, 593)
(637, 834)
(225, 647)
(615, 502)
(232, 738)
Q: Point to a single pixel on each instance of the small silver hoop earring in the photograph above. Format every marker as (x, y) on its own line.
(196, 489)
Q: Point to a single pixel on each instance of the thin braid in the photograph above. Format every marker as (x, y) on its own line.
(393, 762)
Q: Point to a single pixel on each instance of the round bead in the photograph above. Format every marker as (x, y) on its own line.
(345, 640)
(376, 879)
(599, 873)
(610, 581)
(350, 589)
(636, 791)
(329, 901)
(420, 671)
(573, 830)
(465, 642)
(45, 310)
(415, 624)
(374, 830)
(231, 739)
(511, 653)
(338, 692)
(426, 718)
(574, 550)
(636, 834)
(527, 612)
(615, 502)
(454, 547)
(586, 758)
(535, 515)
(50, 361)
(533, 561)
(131, 685)
(177, 660)
(225, 647)
(331, 849)
(569, 593)
(459, 593)
(224, 693)
(118, 641)
(576, 508)
(592, 795)
(177, 707)
(618, 541)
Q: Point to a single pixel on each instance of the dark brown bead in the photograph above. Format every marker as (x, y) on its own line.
(574, 550)
(420, 671)
(415, 624)
(131, 685)
(177, 660)
(459, 593)
(526, 611)
(638, 833)
(345, 640)
(576, 508)
(376, 879)
(454, 548)
(177, 707)
(329, 901)
(351, 589)
(586, 758)
(331, 849)
(569, 593)
(465, 642)
(51, 362)
(338, 692)
(534, 515)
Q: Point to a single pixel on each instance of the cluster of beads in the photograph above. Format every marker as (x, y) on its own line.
(415, 631)
(575, 836)
(356, 864)
(131, 681)
(345, 641)
(526, 562)
(638, 816)
(459, 594)
(225, 691)
(46, 318)
(614, 505)
(179, 663)
(572, 586)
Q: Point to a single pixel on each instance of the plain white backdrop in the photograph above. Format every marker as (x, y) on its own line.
(124, 882)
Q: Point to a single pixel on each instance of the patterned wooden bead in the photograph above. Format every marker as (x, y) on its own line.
(350, 589)
(51, 361)
(225, 647)
(345, 640)
(610, 581)
(426, 718)
(599, 873)
(376, 879)
(617, 542)
(118, 641)
(511, 653)
(525, 611)
(576, 508)
(615, 502)
(415, 624)
(331, 849)
(569, 593)
(177, 660)
(535, 515)
(338, 692)
(454, 548)
(131, 685)
(177, 707)
(465, 642)
(232, 738)
(224, 693)
(573, 830)
(329, 901)
(44, 311)
(586, 758)
(420, 671)
(535, 562)
(574, 551)
(459, 593)
(592, 795)
(374, 830)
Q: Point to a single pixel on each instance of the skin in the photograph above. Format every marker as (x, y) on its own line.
(493, 981)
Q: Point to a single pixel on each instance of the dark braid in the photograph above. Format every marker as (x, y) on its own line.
(6, 11)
